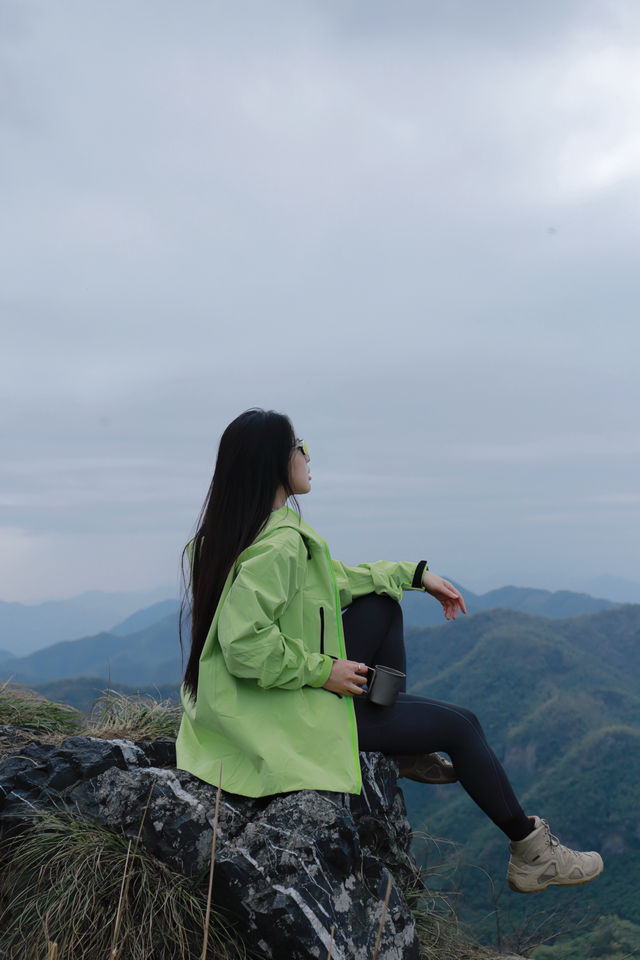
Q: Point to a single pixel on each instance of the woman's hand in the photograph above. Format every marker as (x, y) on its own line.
(347, 678)
(450, 598)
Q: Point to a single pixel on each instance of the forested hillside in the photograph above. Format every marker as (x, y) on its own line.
(559, 702)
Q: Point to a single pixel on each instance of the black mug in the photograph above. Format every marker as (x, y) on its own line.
(384, 684)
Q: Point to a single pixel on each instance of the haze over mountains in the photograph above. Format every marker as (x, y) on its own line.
(561, 603)
(25, 628)
(28, 627)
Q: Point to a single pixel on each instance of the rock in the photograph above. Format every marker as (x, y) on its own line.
(40, 772)
(289, 867)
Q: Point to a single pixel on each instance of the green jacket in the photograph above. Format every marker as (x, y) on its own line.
(261, 710)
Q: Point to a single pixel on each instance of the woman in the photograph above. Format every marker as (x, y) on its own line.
(273, 689)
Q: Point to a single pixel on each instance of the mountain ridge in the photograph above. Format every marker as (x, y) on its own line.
(148, 656)
(25, 628)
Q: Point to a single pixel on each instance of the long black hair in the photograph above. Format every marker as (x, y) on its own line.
(252, 463)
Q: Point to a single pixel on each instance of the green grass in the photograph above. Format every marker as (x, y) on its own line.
(60, 882)
(23, 708)
(113, 715)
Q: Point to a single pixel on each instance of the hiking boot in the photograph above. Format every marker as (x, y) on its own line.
(426, 768)
(540, 860)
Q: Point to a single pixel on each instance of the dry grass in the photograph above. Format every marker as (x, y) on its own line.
(439, 933)
(60, 883)
(114, 715)
(20, 707)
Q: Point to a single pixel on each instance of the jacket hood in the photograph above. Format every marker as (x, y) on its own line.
(285, 517)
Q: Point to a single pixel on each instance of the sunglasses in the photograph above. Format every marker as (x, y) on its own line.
(301, 445)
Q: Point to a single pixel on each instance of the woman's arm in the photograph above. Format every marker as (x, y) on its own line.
(251, 641)
(393, 579)
(383, 576)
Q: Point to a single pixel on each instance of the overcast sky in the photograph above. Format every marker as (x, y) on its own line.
(412, 226)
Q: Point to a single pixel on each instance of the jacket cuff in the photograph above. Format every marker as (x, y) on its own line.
(416, 583)
(322, 671)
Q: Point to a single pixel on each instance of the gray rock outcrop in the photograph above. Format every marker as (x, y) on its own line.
(299, 871)
(289, 867)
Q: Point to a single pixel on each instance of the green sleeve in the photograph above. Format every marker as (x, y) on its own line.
(383, 576)
(250, 639)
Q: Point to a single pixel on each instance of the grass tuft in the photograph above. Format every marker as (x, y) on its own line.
(20, 707)
(115, 715)
(439, 933)
(60, 883)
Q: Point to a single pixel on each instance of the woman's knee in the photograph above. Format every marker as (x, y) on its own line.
(374, 610)
(377, 602)
(470, 717)
(463, 725)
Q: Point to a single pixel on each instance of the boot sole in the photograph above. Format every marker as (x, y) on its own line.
(553, 883)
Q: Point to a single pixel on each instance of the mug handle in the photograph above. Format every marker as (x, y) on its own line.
(371, 676)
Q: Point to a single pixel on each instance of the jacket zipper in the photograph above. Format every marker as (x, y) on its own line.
(338, 695)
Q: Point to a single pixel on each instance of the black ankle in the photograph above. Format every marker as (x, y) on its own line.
(518, 828)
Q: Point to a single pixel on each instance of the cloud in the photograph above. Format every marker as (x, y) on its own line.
(413, 228)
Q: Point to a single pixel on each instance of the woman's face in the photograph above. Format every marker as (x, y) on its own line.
(299, 476)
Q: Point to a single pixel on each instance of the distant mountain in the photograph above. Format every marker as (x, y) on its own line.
(25, 628)
(421, 611)
(543, 603)
(148, 656)
(560, 703)
(5, 654)
(145, 618)
(144, 648)
(615, 588)
(28, 628)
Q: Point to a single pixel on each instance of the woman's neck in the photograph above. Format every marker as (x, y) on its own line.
(280, 498)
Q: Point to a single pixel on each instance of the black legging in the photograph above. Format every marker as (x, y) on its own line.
(373, 634)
